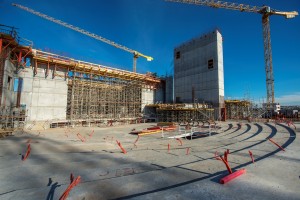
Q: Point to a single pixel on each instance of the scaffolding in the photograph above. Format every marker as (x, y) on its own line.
(96, 93)
(12, 117)
(236, 109)
(15, 49)
(182, 113)
(108, 99)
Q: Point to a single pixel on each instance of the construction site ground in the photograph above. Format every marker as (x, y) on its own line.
(149, 170)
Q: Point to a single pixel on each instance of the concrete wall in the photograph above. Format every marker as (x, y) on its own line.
(8, 94)
(45, 98)
(147, 97)
(193, 77)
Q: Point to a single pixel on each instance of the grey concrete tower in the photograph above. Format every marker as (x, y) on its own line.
(198, 70)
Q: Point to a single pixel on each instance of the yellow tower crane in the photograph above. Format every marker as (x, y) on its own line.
(266, 12)
(135, 53)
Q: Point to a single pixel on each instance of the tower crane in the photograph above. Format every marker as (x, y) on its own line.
(266, 12)
(135, 53)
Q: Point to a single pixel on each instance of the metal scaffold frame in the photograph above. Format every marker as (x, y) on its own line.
(236, 109)
(15, 50)
(182, 113)
(96, 93)
(108, 99)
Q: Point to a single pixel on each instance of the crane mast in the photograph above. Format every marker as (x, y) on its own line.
(135, 53)
(266, 12)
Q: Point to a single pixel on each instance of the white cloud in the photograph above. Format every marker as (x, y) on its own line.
(290, 99)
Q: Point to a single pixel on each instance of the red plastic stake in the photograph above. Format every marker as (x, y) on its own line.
(27, 152)
(91, 134)
(180, 141)
(71, 178)
(65, 195)
(251, 155)
(291, 123)
(276, 144)
(187, 151)
(232, 176)
(226, 155)
(110, 123)
(226, 164)
(168, 148)
(120, 145)
(137, 139)
(217, 157)
(80, 137)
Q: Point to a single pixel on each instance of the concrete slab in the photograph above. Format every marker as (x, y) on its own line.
(149, 170)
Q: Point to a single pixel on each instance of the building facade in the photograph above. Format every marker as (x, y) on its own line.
(198, 71)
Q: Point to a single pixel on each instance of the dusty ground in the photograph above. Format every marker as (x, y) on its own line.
(149, 170)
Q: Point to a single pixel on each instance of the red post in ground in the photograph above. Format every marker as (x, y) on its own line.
(75, 182)
(276, 144)
(92, 133)
(179, 140)
(251, 155)
(80, 137)
(136, 140)
(217, 157)
(27, 152)
(187, 151)
(226, 155)
(168, 148)
(226, 164)
(120, 145)
(71, 178)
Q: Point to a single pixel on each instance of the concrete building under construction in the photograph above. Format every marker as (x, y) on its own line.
(39, 88)
(198, 70)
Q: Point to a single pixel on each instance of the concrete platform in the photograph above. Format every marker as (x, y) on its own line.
(149, 170)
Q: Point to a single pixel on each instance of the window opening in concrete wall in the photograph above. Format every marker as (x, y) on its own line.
(8, 82)
(210, 64)
(177, 56)
(16, 84)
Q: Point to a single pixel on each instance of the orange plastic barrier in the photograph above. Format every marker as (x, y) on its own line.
(231, 176)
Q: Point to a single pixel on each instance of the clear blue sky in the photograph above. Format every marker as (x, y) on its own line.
(155, 27)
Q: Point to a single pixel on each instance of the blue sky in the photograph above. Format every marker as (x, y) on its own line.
(155, 27)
